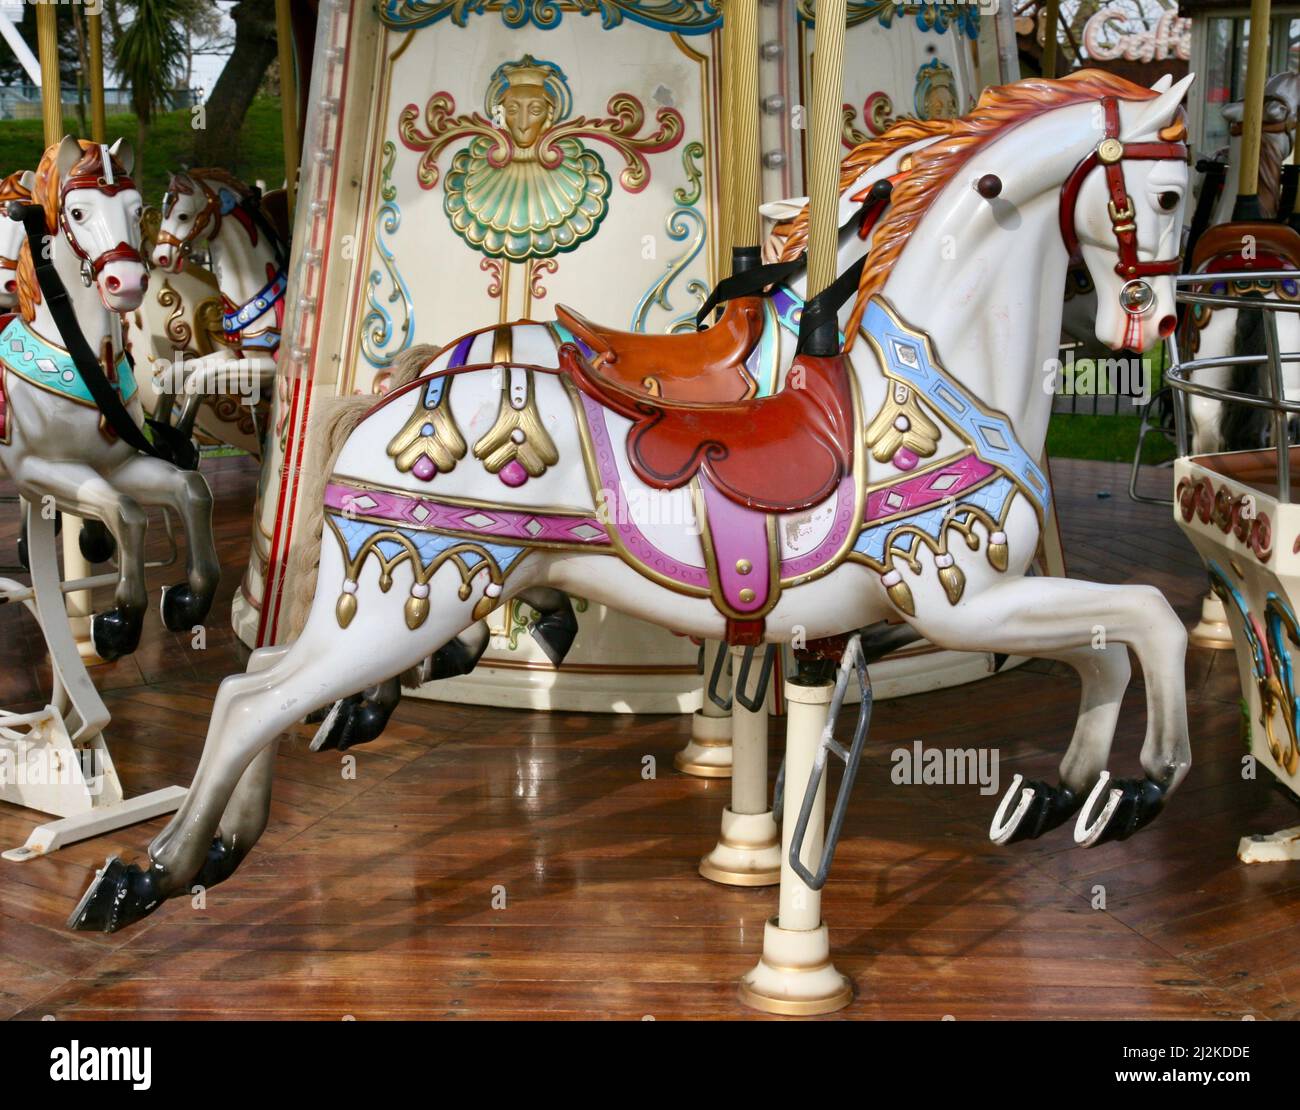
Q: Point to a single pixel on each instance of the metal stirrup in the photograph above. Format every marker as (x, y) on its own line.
(719, 661)
(853, 660)
(739, 688)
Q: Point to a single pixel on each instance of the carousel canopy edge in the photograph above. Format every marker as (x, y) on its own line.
(934, 15)
(685, 17)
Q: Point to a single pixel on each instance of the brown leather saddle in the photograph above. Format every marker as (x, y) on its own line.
(700, 367)
(1276, 246)
(781, 453)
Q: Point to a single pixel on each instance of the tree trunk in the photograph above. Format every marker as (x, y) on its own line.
(255, 49)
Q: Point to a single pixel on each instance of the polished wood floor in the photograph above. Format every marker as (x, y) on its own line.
(374, 895)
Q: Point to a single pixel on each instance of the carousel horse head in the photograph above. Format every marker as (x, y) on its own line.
(1121, 210)
(88, 196)
(1281, 104)
(193, 208)
(14, 187)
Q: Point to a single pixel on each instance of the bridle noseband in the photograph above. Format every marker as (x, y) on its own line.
(1111, 154)
(210, 213)
(109, 184)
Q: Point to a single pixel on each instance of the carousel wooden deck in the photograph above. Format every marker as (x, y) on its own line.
(373, 896)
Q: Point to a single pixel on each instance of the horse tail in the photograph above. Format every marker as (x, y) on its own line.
(1244, 425)
(339, 418)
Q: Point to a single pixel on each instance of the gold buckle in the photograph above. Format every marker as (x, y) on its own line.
(1110, 151)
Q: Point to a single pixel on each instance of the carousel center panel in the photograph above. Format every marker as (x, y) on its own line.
(504, 159)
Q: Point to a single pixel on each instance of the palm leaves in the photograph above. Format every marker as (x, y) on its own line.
(147, 56)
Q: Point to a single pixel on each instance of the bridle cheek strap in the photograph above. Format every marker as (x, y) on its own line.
(123, 252)
(1111, 154)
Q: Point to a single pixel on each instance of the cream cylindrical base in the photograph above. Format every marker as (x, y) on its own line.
(1212, 631)
(708, 754)
(795, 975)
(748, 852)
(80, 605)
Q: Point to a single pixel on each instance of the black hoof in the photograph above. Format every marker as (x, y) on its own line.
(220, 864)
(1021, 818)
(119, 895)
(182, 608)
(96, 542)
(354, 720)
(553, 632)
(115, 633)
(453, 659)
(1117, 808)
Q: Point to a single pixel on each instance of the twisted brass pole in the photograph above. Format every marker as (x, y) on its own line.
(824, 142)
(744, 124)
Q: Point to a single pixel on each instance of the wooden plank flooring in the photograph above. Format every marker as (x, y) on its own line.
(373, 896)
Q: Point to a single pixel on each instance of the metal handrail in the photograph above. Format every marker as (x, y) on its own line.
(1272, 358)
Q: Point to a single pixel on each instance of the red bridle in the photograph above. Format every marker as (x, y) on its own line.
(1111, 154)
(109, 186)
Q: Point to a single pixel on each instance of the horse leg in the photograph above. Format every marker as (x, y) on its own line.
(186, 492)
(555, 628)
(1049, 616)
(77, 488)
(252, 709)
(1028, 811)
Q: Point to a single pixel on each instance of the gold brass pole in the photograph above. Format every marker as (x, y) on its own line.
(824, 143)
(745, 225)
(726, 158)
(95, 33)
(1051, 29)
(288, 98)
(1252, 124)
(47, 48)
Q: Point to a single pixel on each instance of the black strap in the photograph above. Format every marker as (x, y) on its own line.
(170, 445)
(750, 282)
(819, 326)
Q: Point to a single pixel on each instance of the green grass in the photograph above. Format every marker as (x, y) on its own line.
(170, 146)
(1109, 438)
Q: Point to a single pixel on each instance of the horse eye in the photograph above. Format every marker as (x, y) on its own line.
(1169, 200)
(77, 214)
(183, 217)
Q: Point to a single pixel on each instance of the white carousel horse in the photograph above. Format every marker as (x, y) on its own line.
(54, 442)
(248, 257)
(592, 475)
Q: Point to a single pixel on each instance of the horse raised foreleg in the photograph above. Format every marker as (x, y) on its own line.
(1061, 618)
(76, 488)
(186, 492)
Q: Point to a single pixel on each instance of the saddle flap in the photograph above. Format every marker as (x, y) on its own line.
(703, 366)
(778, 454)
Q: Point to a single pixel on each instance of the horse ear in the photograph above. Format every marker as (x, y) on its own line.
(124, 153)
(27, 180)
(69, 154)
(1151, 115)
(1162, 83)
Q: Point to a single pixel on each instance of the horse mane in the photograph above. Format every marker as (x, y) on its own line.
(12, 188)
(220, 176)
(1000, 109)
(47, 192)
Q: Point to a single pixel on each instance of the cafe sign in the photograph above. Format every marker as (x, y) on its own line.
(1112, 34)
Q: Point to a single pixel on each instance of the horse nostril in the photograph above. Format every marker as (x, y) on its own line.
(11, 286)
(1167, 325)
(144, 282)
(113, 284)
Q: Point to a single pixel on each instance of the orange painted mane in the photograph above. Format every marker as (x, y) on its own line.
(46, 191)
(1000, 109)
